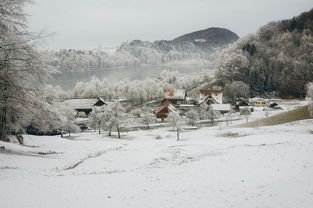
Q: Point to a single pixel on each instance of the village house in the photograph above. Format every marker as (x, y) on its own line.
(222, 108)
(175, 97)
(259, 102)
(184, 108)
(241, 103)
(211, 94)
(83, 107)
(165, 109)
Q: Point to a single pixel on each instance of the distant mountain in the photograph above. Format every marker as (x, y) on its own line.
(214, 36)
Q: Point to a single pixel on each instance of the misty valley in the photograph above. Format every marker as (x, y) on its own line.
(68, 79)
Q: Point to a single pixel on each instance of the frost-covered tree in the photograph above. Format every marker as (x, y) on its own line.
(203, 114)
(192, 117)
(228, 118)
(211, 115)
(246, 113)
(234, 90)
(147, 116)
(176, 122)
(97, 117)
(68, 124)
(22, 67)
(119, 119)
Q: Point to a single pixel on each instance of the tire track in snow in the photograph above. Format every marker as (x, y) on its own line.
(98, 154)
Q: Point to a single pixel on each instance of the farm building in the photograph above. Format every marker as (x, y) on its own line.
(175, 97)
(222, 108)
(83, 107)
(259, 102)
(241, 103)
(165, 109)
(211, 94)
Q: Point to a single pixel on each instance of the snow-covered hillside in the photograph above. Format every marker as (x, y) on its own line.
(209, 167)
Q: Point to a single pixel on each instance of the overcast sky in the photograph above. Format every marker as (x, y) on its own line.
(87, 24)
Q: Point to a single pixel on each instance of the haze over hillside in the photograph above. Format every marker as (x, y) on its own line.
(200, 45)
(138, 59)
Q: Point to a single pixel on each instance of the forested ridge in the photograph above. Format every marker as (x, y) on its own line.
(277, 59)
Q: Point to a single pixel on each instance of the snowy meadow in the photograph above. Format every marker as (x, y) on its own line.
(209, 167)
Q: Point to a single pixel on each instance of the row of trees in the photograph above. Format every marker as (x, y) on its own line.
(137, 91)
(109, 117)
(278, 58)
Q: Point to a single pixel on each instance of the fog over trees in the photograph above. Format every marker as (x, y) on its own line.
(132, 54)
(137, 91)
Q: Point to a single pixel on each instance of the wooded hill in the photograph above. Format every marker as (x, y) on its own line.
(200, 47)
(278, 58)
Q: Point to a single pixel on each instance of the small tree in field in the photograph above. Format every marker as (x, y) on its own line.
(211, 115)
(176, 122)
(118, 118)
(96, 118)
(246, 113)
(147, 116)
(107, 122)
(192, 117)
(69, 125)
(61, 119)
(228, 118)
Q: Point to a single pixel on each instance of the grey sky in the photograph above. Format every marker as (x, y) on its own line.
(86, 24)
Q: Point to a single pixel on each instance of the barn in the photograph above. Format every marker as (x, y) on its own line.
(83, 107)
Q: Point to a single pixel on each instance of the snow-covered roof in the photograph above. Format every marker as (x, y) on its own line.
(172, 109)
(186, 106)
(175, 94)
(204, 99)
(121, 100)
(221, 107)
(257, 99)
(82, 103)
(169, 106)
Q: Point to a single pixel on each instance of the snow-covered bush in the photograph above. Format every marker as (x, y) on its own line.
(192, 117)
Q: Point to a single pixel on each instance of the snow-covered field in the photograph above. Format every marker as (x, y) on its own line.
(209, 167)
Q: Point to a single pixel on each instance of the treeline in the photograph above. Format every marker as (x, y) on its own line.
(277, 59)
(134, 53)
(137, 91)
